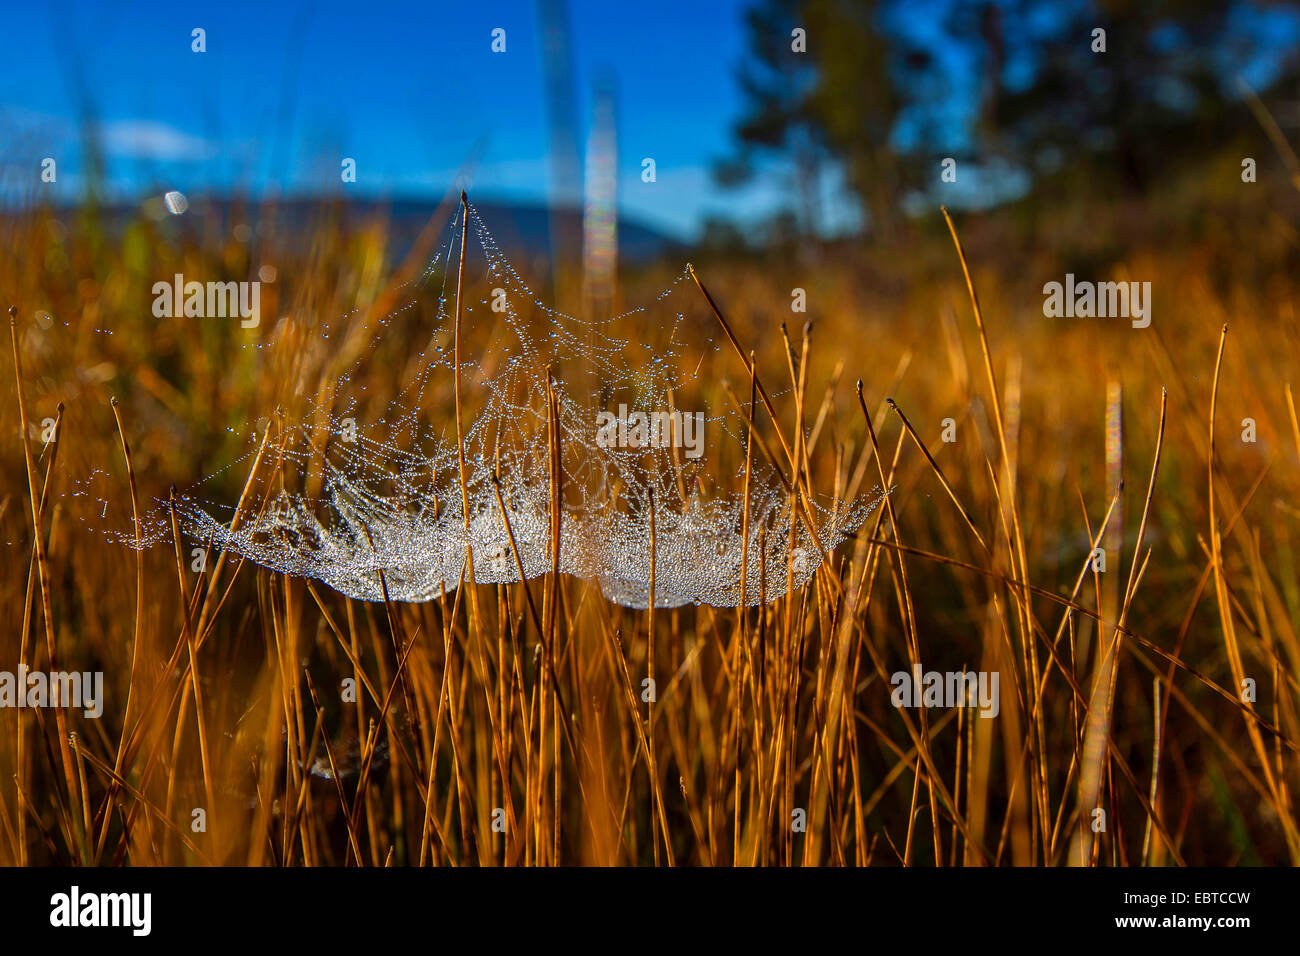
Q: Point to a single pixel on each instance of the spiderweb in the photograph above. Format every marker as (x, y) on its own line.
(366, 497)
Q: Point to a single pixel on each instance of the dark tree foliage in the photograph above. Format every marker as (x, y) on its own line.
(1162, 90)
(887, 88)
(781, 121)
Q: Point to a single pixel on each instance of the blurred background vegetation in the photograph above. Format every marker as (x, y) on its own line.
(1044, 117)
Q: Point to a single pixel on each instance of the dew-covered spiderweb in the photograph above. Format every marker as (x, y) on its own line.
(361, 487)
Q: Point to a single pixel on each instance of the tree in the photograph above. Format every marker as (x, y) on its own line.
(1149, 92)
(779, 125)
(1075, 95)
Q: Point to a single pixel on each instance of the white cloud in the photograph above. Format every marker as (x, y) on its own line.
(146, 139)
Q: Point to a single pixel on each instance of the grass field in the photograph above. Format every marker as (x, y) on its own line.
(508, 726)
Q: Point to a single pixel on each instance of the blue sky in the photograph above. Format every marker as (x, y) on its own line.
(409, 90)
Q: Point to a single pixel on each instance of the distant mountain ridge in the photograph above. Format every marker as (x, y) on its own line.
(520, 228)
(526, 227)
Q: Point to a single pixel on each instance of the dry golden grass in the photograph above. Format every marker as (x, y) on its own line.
(1120, 690)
